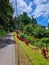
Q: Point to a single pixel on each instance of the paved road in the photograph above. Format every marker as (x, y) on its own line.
(7, 50)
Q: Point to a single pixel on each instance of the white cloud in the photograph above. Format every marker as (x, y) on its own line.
(46, 28)
(28, 9)
(38, 11)
(48, 20)
(23, 7)
(41, 8)
(20, 5)
(40, 1)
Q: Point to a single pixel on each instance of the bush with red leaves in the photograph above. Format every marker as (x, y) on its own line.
(27, 42)
(22, 39)
(44, 53)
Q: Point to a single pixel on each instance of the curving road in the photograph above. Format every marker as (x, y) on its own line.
(7, 50)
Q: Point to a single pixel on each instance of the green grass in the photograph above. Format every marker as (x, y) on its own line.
(2, 32)
(35, 57)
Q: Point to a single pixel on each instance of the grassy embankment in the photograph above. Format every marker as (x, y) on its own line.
(34, 56)
(2, 32)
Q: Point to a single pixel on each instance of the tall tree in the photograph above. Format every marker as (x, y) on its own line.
(34, 21)
(6, 12)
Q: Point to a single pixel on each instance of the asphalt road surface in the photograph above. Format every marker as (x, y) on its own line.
(7, 50)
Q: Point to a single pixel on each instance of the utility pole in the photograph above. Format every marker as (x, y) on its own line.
(16, 10)
(17, 26)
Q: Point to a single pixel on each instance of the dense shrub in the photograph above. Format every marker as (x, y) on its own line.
(33, 42)
(22, 35)
(40, 44)
(2, 32)
(46, 41)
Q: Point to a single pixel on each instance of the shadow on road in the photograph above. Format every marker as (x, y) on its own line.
(6, 41)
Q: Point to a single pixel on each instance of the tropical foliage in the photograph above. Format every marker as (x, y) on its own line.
(6, 12)
(30, 30)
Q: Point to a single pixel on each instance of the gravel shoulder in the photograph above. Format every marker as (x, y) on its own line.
(21, 56)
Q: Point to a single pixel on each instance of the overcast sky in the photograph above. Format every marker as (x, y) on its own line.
(39, 9)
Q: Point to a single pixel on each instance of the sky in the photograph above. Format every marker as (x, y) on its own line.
(39, 9)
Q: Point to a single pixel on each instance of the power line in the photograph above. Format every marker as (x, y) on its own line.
(16, 8)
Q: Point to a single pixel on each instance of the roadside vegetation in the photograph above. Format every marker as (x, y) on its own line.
(34, 56)
(2, 33)
(30, 30)
(33, 37)
(6, 17)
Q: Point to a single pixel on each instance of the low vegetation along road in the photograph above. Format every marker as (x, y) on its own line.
(7, 50)
(21, 56)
